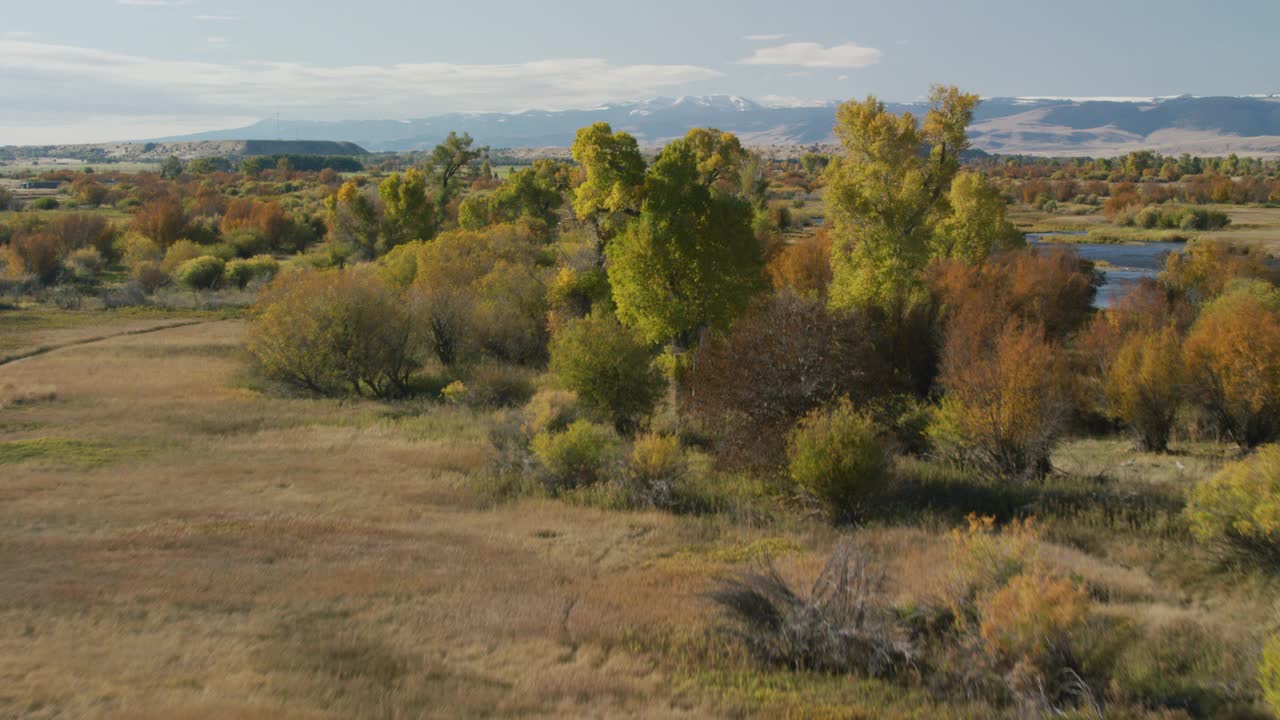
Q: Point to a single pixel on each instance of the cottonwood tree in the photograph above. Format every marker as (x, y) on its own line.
(535, 192)
(408, 213)
(611, 191)
(689, 261)
(451, 162)
(891, 196)
(352, 218)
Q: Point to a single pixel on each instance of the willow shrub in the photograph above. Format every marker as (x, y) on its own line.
(337, 332)
(1241, 504)
(836, 456)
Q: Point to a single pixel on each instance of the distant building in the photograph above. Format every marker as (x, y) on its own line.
(40, 185)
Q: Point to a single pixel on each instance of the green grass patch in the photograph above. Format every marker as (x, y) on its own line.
(1120, 236)
(64, 452)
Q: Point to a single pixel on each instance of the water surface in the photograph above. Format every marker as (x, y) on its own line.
(1128, 263)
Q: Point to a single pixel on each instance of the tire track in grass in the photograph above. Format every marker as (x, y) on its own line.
(45, 349)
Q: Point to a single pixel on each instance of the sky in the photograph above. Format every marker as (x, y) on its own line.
(75, 71)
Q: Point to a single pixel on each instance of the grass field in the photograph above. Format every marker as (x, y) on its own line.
(173, 545)
(1252, 225)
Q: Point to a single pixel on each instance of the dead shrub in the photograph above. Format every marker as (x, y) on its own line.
(843, 623)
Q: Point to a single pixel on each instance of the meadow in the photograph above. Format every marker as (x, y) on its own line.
(641, 437)
(178, 546)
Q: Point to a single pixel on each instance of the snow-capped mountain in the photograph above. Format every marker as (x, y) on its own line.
(1033, 125)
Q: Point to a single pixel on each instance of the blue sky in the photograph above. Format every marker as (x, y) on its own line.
(96, 70)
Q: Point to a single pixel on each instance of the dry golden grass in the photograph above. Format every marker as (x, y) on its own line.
(275, 557)
(230, 555)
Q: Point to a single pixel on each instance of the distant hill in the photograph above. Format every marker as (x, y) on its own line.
(188, 149)
(1036, 126)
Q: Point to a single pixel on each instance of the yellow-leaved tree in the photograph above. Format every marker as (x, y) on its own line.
(896, 201)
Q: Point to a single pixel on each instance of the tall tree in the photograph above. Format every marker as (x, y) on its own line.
(352, 217)
(408, 213)
(452, 161)
(611, 190)
(689, 261)
(888, 192)
(977, 224)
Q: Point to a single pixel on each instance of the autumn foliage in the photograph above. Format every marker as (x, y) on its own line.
(787, 356)
(162, 219)
(1233, 362)
(1007, 398)
(335, 332)
(804, 267)
(1145, 385)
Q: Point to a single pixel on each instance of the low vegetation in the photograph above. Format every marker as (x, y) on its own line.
(629, 435)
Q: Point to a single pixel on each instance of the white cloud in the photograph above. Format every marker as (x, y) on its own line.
(843, 77)
(813, 55)
(154, 3)
(41, 77)
(217, 41)
(764, 38)
(218, 18)
(16, 34)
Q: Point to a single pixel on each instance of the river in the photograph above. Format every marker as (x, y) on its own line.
(1128, 263)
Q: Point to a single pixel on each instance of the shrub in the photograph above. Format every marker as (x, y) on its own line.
(655, 468)
(1241, 504)
(240, 273)
(256, 227)
(495, 384)
(1202, 271)
(578, 457)
(1027, 628)
(83, 230)
(246, 242)
(44, 203)
(202, 273)
(135, 248)
(162, 220)
(400, 265)
(483, 291)
(609, 369)
(1145, 385)
(149, 276)
(455, 393)
(131, 295)
(1233, 362)
(1054, 290)
(65, 297)
(1007, 400)
(984, 559)
(835, 455)
(38, 254)
(804, 267)
(785, 357)
(1269, 673)
(573, 293)
(550, 410)
(335, 331)
(842, 625)
(1031, 618)
(85, 263)
(179, 253)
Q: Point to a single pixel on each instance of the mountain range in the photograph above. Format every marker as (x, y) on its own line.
(1034, 126)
